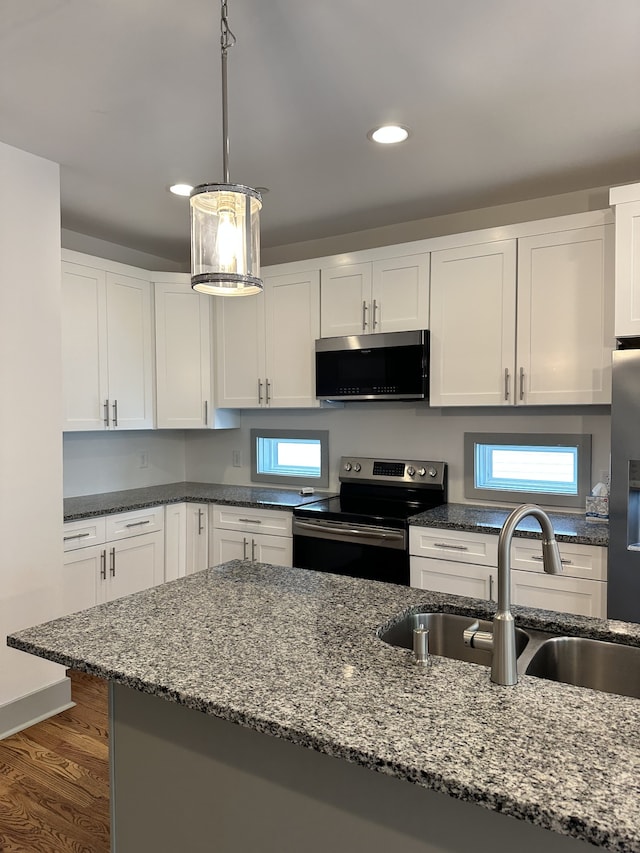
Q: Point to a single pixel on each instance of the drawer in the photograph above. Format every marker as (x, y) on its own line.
(560, 593)
(457, 545)
(273, 522)
(134, 523)
(83, 533)
(578, 561)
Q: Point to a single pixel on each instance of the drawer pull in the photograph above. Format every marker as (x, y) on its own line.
(112, 562)
(452, 547)
(103, 565)
(76, 536)
(250, 520)
(138, 523)
(562, 560)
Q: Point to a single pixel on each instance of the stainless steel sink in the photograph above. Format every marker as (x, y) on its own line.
(445, 636)
(609, 667)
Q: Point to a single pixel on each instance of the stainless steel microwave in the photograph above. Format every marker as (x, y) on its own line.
(385, 366)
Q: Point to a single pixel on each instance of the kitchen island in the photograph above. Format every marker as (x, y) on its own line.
(251, 703)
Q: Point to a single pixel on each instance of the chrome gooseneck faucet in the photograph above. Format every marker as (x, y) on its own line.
(502, 641)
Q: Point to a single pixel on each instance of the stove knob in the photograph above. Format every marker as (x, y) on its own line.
(347, 466)
(411, 470)
(422, 471)
(432, 472)
(357, 467)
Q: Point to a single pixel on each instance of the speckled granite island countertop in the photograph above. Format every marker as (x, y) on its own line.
(87, 506)
(569, 527)
(560, 757)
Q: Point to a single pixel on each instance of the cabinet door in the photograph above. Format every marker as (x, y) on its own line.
(229, 545)
(130, 352)
(292, 324)
(345, 307)
(560, 593)
(134, 564)
(453, 578)
(627, 275)
(84, 347)
(473, 317)
(197, 537)
(239, 351)
(183, 359)
(400, 294)
(83, 571)
(277, 550)
(565, 317)
(175, 541)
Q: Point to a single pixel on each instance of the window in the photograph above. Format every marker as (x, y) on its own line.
(291, 457)
(520, 467)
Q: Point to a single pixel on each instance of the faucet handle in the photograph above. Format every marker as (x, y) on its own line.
(421, 645)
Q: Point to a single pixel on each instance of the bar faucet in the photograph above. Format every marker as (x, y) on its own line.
(502, 640)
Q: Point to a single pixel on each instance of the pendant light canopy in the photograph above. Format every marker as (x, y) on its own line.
(225, 218)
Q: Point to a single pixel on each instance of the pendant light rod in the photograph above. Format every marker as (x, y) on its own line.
(227, 40)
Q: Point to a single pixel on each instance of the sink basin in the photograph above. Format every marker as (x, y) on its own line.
(609, 667)
(445, 636)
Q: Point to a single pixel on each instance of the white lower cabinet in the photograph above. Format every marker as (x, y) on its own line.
(464, 563)
(197, 540)
(120, 557)
(260, 535)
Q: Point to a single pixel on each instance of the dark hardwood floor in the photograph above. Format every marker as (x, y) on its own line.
(54, 779)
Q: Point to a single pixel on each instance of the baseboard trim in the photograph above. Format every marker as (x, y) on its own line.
(35, 707)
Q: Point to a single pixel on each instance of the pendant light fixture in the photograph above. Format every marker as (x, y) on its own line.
(225, 218)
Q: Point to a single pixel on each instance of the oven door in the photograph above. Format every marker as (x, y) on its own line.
(356, 550)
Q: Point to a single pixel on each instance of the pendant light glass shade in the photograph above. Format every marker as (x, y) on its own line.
(225, 239)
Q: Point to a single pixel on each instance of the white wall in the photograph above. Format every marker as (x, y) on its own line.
(397, 431)
(109, 461)
(30, 413)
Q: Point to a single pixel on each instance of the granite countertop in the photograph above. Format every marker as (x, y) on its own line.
(562, 757)
(569, 527)
(107, 503)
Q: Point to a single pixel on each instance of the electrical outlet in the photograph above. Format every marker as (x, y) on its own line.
(143, 459)
(236, 457)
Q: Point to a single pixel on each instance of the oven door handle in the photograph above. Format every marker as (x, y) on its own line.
(338, 529)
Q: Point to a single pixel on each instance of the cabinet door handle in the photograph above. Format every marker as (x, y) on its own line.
(244, 547)
(522, 383)
(364, 316)
(490, 587)
(103, 565)
(112, 562)
(250, 520)
(106, 413)
(451, 547)
(200, 527)
(259, 390)
(562, 559)
(375, 308)
(206, 413)
(115, 413)
(75, 536)
(138, 523)
(506, 383)
(268, 387)
(253, 550)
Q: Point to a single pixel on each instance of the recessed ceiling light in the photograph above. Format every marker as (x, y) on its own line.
(388, 134)
(181, 189)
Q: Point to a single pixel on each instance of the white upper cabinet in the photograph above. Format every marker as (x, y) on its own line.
(107, 349)
(473, 309)
(384, 295)
(627, 254)
(184, 365)
(565, 317)
(265, 344)
(536, 331)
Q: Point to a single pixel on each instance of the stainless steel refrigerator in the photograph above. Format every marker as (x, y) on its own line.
(624, 501)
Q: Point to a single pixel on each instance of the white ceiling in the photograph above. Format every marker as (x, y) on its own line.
(506, 99)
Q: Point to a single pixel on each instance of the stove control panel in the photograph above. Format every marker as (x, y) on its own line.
(392, 471)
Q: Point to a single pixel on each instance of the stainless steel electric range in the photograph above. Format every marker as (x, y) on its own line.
(364, 531)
